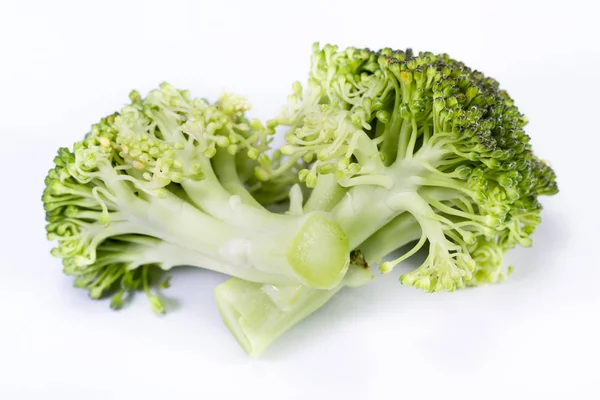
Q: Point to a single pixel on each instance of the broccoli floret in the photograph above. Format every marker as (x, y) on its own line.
(148, 186)
(417, 133)
(401, 147)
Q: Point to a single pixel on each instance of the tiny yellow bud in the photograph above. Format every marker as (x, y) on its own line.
(386, 267)
(138, 165)
(406, 77)
(104, 142)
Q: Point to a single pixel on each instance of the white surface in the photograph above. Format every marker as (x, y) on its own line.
(65, 64)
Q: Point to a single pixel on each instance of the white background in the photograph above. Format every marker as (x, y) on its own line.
(63, 65)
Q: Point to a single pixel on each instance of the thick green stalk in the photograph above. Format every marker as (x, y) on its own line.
(367, 208)
(312, 245)
(255, 320)
(168, 255)
(310, 248)
(258, 314)
(325, 194)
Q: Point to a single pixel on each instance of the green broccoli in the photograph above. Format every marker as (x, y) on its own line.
(387, 147)
(152, 186)
(395, 138)
(422, 134)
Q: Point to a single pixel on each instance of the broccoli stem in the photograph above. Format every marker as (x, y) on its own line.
(403, 139)
(423, 213)
(362, 212)
(167, 255)
(256, 318)
(326, 193)
(400, 231)
(367, 208)
(389, 146)
(311, 248)
(224, 166)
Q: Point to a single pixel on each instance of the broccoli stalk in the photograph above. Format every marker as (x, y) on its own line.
(257, 314)
(153, 172)
(392, 138)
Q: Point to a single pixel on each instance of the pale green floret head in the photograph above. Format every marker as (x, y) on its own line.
(151, 143)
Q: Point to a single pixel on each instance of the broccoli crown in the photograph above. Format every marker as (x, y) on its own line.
(407, 121)
(152, 176)
(131, 154)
